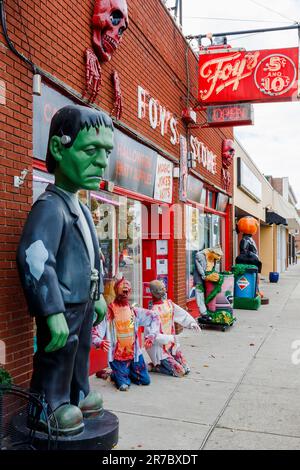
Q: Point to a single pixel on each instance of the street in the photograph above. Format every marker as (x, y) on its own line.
(242, 392)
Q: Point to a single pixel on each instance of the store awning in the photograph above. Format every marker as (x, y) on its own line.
(273, 218)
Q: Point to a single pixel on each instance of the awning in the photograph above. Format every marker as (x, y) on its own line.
(273, 218)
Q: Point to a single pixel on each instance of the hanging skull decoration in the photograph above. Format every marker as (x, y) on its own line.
(109, 22)
(228, 152)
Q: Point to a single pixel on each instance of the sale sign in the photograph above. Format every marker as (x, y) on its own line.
(252, 76)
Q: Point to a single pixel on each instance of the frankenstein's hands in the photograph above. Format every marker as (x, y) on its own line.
(59, 332)
(100, 309)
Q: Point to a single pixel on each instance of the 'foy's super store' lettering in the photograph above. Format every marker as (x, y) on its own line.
(160, 118)
(203, 156)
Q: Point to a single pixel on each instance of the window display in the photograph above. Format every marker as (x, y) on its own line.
(202, 231)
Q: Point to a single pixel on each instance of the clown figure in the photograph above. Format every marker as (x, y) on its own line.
(165, 354)
(121, 330)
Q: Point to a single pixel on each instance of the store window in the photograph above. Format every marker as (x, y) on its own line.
(203, 231)
(40, 182)
(118, 224)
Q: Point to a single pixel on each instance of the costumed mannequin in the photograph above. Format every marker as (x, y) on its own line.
(59, 266)
(205, 261)
(228, 152)
(165, 354)
(121, 331)
(248, 250)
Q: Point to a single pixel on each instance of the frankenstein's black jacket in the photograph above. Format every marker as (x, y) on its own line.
(56, 270)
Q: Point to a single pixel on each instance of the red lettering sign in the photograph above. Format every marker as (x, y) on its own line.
(253, 76)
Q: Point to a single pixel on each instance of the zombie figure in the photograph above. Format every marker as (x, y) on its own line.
(165, 354)
(228, 153)
(59, 265)
(109, 22)
(121, 331)
(248, 250)
(205, 261)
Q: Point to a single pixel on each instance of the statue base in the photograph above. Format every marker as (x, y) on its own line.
(245, 303)
(100, 433)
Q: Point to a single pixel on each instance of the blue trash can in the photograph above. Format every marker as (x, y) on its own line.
(274, 277)
(246, 284)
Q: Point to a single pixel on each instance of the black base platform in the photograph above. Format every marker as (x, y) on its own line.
(100, 433)
(205, 322)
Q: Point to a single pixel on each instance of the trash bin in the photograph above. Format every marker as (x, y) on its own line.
(209, 287)
(246, 283)
(224, 299)
(246, 294)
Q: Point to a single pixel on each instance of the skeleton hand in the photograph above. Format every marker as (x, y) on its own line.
(93, 75)
(194, 326)
(118, 105)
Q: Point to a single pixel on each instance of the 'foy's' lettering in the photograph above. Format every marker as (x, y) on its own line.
(157, 115)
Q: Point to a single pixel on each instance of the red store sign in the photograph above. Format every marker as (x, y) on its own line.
(253, 76)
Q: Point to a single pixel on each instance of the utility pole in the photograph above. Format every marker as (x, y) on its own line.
(247, 31)
(177, 9)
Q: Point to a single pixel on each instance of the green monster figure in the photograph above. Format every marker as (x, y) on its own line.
(59, 266)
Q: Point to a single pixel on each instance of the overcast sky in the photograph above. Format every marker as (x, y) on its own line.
(274, 140)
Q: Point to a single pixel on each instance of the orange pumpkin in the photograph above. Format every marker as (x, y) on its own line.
(248, 225)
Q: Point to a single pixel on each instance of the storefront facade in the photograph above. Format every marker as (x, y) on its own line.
(255, 196)
(152, 213)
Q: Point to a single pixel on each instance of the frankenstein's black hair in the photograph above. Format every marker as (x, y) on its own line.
(69, 121)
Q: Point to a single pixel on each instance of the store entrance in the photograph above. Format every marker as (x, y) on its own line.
(157, 249)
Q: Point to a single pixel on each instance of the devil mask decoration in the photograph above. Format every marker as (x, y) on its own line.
(110, 20)
(228, 153)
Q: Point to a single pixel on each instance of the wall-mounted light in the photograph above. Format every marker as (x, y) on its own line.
(37, 84)
(19, 180)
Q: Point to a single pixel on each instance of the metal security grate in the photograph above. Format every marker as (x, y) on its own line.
(20, 412)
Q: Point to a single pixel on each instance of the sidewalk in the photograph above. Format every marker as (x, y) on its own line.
(242, 393)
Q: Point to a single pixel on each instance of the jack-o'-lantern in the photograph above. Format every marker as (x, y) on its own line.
(248, 225)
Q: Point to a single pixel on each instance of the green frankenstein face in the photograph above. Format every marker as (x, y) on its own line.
(82, 165)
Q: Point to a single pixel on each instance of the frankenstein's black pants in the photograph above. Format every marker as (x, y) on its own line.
(63, 376)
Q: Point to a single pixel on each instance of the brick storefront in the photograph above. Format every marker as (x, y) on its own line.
(54, 36)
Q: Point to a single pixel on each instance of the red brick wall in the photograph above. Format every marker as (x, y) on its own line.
(152, 55)
(15, 156)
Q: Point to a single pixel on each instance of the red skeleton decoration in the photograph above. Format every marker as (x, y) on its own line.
(228, 152)
(109, 22)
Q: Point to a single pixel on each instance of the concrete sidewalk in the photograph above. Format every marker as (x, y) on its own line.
(242, 393)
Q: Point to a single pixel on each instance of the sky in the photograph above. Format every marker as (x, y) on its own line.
(273, 142)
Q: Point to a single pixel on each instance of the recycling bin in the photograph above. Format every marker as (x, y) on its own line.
(245, 285)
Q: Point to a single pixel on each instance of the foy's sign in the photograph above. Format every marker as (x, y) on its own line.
(254, 76)
(158, 115)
